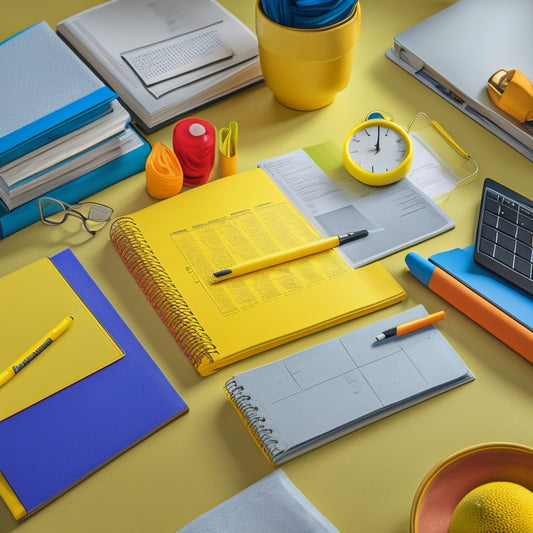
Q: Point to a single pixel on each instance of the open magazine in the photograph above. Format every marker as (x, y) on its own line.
(165, 58)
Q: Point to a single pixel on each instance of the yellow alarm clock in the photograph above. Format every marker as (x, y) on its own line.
(378, 151)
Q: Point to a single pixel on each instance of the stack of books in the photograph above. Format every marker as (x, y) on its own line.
(63, 131)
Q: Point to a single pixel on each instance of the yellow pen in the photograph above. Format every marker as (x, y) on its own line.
(289, 255)
(35, 350)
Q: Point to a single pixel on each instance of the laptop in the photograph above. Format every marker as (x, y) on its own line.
(504, 237)
(457, 50)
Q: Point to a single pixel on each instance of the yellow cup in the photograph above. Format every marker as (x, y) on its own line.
(306, 68)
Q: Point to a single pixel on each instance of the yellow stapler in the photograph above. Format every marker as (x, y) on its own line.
(512, 91)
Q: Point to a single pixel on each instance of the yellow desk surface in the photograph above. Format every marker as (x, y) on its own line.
(364, 482)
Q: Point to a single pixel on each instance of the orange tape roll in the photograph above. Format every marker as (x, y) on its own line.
(164, 175)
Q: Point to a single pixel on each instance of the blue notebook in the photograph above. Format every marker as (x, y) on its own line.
(75, 431)
(74, 191)
(46, 91)
(459, 263)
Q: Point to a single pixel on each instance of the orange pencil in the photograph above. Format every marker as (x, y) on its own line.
(402, 329)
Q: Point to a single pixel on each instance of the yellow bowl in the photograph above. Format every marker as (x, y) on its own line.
(306, 68)
(454, 477)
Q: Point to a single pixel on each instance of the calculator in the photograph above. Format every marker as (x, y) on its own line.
(504, 239)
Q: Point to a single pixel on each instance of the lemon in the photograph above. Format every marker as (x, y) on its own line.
(496, 507)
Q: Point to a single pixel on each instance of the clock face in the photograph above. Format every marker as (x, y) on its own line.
(377, 149)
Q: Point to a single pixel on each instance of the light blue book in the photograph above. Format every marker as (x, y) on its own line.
(46, 91)
(310, 398)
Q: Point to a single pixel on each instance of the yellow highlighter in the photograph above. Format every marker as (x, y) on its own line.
(289, 255)
(28, 356)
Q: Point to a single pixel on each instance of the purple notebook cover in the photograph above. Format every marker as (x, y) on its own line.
(49, 447)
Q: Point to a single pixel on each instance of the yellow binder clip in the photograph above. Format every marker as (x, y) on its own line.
(512, 91)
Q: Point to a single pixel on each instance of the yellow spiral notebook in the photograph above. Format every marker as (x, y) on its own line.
(173, 247)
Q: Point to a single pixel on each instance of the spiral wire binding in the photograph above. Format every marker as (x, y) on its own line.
(255, 423)
(163, 295)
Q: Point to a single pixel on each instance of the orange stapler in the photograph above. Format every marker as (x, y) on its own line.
(512, 91)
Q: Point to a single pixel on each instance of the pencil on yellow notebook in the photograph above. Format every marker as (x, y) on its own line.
(291, 254)
(29, 355)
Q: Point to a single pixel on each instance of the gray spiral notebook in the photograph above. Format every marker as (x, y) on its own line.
(303, 401)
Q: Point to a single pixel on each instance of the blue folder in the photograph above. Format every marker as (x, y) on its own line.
(50, 446)
(74, 191)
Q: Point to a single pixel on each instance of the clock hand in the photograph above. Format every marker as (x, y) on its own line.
(377, 143)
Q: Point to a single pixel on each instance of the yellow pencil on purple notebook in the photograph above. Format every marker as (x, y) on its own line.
(413, 325)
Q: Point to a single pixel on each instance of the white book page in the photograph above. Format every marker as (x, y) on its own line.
(106, 32)
(176, 56)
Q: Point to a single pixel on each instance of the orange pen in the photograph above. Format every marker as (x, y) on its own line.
(402, 329)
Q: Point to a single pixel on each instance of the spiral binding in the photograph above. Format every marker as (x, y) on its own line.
(255, 423)
(163, 295)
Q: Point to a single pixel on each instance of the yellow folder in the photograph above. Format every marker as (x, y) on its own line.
(36, 298)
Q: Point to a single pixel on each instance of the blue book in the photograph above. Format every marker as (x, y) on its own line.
(46, 91)
(126, 165)
(498, 306)
(72, 433)
(459, 262)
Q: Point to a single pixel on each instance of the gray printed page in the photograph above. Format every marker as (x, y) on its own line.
(396, 216)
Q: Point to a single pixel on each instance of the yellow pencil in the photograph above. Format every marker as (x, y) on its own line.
(289, 255)
(28, 356)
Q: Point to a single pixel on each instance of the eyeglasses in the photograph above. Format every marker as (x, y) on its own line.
(92, 215)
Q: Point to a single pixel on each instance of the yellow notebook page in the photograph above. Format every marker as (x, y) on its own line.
(237, 218)
(35, 299)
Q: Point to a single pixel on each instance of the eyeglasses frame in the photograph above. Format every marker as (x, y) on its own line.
(71, 210)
